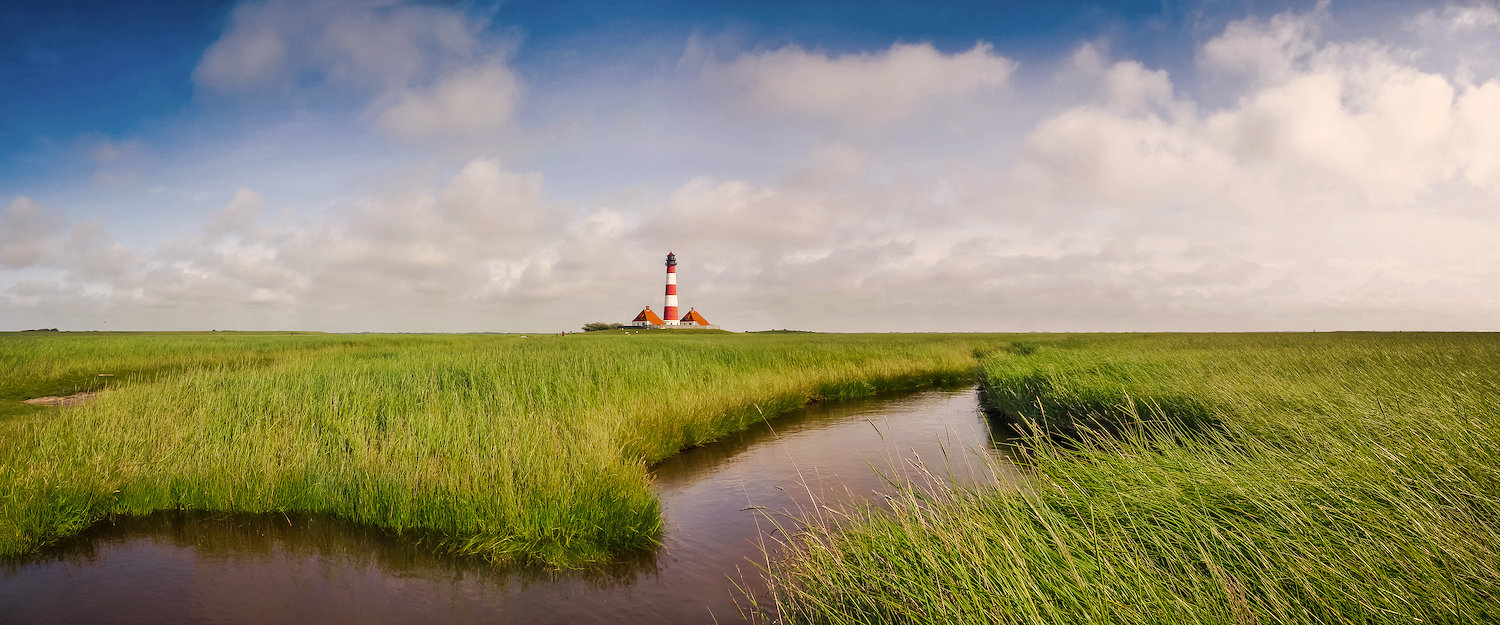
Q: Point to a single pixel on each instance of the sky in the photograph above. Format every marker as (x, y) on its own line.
(872, 166)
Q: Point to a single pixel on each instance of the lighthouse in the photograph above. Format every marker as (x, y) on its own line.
(669, 310)
(669, 318)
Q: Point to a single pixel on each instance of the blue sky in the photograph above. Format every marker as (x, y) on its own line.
(383, 165)
(72, 57)
(125, 69)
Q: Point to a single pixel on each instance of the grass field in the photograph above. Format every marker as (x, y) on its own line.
(1309, 478)
(1324, 478)
(514, 448)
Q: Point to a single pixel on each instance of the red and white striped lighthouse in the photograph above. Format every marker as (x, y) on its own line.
(669, 312)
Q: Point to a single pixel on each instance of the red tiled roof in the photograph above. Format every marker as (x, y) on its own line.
(647, 315)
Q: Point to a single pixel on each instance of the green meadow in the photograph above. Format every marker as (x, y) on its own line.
(1178, 478)
(1280, 478)
(531, 449)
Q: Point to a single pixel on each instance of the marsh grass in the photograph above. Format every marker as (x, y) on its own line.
(47, 364)
(514, 449)
(1345, 478)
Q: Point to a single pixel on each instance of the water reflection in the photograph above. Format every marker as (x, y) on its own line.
(262, 569)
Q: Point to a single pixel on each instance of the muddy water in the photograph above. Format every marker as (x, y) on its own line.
(175, 568)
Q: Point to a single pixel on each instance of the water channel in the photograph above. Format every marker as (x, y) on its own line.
(180, 568)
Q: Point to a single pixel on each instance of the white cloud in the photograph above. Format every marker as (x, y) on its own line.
(1478, 121)
(369, 45)
(252, 56)
(238, 215)
(1305, 130)
(477, 102)
(1461, 40)
(400, 256)
(27, 233)
(1335, 177)
(1460, 17)
(118, 162)
(427, 71)
(1265, 50)
(1126, 86)
(92, 256)
(863, 90)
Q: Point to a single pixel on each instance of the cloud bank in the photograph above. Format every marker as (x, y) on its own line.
(1330, 183)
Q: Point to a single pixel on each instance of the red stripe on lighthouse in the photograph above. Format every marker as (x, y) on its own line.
(671, 289)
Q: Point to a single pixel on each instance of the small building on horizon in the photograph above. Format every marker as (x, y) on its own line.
(646, 318)
(649, 319)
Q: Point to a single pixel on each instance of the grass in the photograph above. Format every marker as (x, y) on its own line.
(42, 364)
(1345, 478)
(1174, 478)
(513, 448)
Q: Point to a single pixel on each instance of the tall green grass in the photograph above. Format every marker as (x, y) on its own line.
(1348, 478)
(512, 448)
(42, 364)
